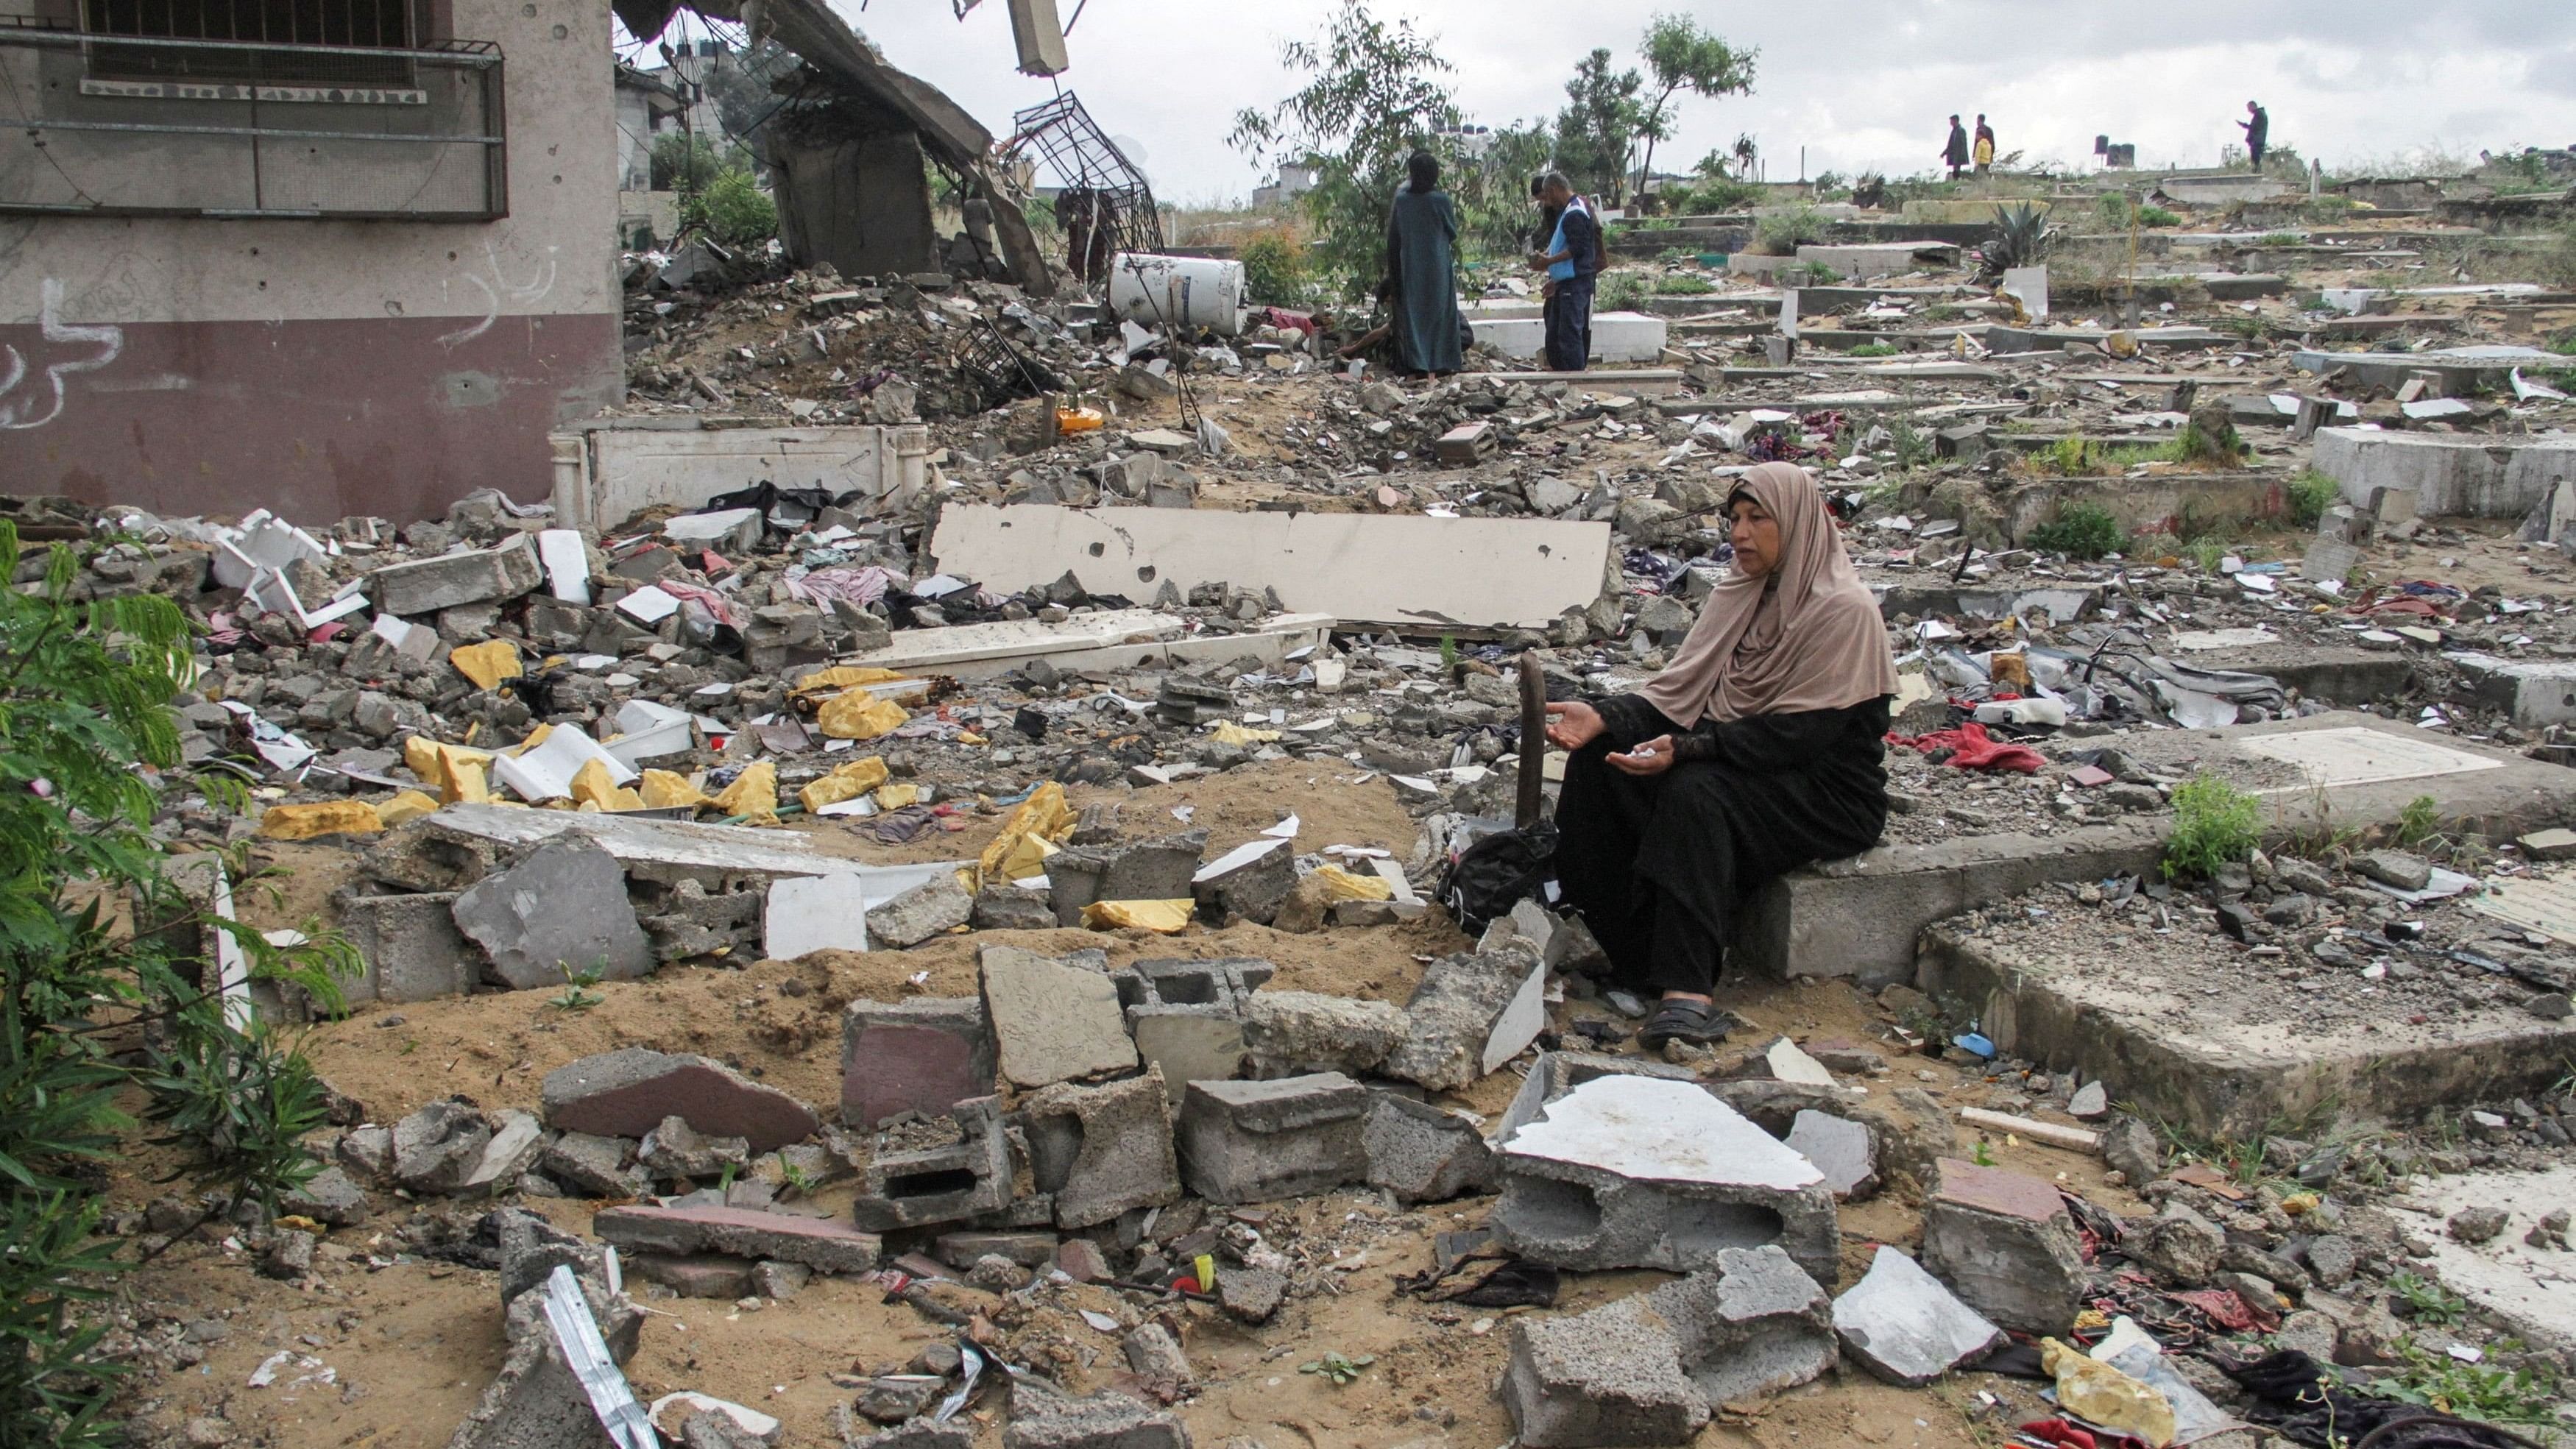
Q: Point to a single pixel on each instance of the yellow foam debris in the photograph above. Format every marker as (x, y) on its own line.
(327, 817)
(593, 785)
(753, 794)
(1341, 885)
(1227, 732)
(840, 677)
(409, 805)
(663, 790)
(848, 782)
(2103, 1395)
(1163, 917)
(487, 663)
(1027, 837)
(896, 797)
(427, 758)
(466, 782)
(859, 715)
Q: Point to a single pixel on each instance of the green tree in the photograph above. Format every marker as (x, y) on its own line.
(1594, 134)
(1681, 56)
(1373, 94)
(682, 162)
(110, 981)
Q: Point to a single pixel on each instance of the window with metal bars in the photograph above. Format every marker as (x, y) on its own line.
(330, 43)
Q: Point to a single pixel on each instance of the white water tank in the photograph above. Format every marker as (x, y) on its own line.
(1158, 291)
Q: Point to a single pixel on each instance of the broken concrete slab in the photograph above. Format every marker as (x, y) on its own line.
(933, 908)
(468, 576)
(1636, 1172)
(1360, 568)
(1286, 1033)
(612, 469)
(2478, 475)
(924, 1055)
(1110, 639)
(828, 1247)
(1609, 1376)
(1042, 1418)
(1461, 1023)
(536, 1400)
(667, 852)
(1262, 1141)
(561, 910)
(436, 1148)
(965, 1179)
(2006, 1244)
(595, 1165)
(517, 1138)
(1104, 1151)
(1423, 1153)
(1841, 1149)
(626, 1093)
(1250, 882)
(1754, 1325)
(1554, 1074)
(1904, 1326)
(1052, 1021)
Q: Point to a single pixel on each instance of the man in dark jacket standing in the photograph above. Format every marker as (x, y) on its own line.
(1572, 258)
(1956, 153)
(2257, 131)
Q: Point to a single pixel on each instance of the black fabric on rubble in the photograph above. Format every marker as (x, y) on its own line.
(1661, 867)
(2300, 1400)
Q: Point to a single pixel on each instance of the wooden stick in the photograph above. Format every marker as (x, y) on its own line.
(1533, 739)
(2073, 1138)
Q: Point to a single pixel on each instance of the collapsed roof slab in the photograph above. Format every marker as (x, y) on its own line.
(1426, 575)
(1859, 917)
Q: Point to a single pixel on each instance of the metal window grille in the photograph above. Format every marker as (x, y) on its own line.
(341, 43)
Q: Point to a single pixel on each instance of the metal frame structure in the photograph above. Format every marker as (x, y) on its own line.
(1062, 133)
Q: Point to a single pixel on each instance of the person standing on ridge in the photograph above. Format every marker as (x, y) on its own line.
(1955, 154)
(1985, 146)
(2257, 131)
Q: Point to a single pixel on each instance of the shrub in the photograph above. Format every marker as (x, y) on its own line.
(1274, 268)
(1721, 194)
(1618, 290)
(1684, 286)
(2214, 823)
(2080, 530)
(1781, 234)
(1873, 349)
(2311, 494)
(92, 1011)
(734, 210)
(2157, 216)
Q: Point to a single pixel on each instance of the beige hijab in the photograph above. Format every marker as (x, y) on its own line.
(1805, 636)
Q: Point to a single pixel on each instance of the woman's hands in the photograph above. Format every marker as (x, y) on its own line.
(1653, 757)
(1572, 724)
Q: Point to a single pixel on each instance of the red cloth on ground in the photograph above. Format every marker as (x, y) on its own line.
(1971, 750)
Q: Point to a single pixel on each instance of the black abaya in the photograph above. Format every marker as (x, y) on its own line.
(1662, 867)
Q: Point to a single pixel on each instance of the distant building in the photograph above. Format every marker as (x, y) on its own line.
(1295, 180)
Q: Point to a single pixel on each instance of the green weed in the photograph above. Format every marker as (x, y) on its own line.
(2419, 821)
(1873, 349)
(2311, 494)
(1684, 286)
(2080, 530)
(2427, 1301)
(1341, 1369)
(577, 995)
(2157, 216)
(2214, 824)
(2484, 1391)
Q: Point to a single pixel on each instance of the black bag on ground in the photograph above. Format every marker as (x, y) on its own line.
(1498, 872)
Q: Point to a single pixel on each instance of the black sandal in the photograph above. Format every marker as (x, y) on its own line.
(1699, 1023)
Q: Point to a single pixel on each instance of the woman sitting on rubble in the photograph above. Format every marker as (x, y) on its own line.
(1757, 750)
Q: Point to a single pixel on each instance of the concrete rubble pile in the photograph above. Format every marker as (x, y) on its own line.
(612, 756)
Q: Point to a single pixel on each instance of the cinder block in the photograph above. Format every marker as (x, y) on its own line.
(1609, 1376)
(1261, 1141)
(1423, 1153)
(411, 946)
(1103, 1151)
(2006, 1244)
(922, 1056)
(1637, 1172)
(940, 1184)
(1755, 1326)
(1148, 870)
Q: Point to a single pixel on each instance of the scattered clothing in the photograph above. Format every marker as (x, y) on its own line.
(1970, 749)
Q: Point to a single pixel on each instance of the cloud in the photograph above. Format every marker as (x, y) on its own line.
(1860, 84)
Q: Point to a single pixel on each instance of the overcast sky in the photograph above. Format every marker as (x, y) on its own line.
(1860, 84)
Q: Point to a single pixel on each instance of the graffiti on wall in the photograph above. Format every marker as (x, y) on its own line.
(31, 390)
(540, 281)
